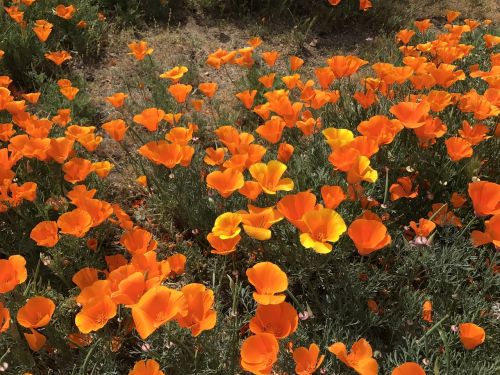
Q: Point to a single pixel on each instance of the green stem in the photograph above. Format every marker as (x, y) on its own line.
(386, 192)
(433, 328)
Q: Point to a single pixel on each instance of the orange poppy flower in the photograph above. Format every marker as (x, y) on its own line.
(6, 131)
(175, 74)
(359, 359)
(257, 221)
(445, 74)
(99, 210)
(404, 36)
(491, 40)
(290, 81)
(75, 223)
(267, 80)
(226, 182)
(408, 368)
(427, 311)
(336, 138)
(156, 307)
(36, 313)
(403, 189)
(294, 206)
(79, 340)
(140, 50)
(307, 361)
(272, 129)
(69, 92)
(321, 226)
(345, 66)
(365, 99)
(42, 29)
(412, 115)
(45, 233)
(12, 273)
(200, 316)
(432, 129)
(270, 57)
(439, 100)
(180, 92)
(177, 263)
(2, 53)
(65, 12)
(269, 176)
(150, 118)
(280, 320)
(102, 168)
(458, 148)
(296, 63)
(324, 76)
(491, 233)
(90, 141)
(82, 24)
(458, 200)
(79, 194)
(424, 227)
(473, 134)
(250, 190)
(255, 42)
(423, 25)
(214, 156)
(208, 88)
(227, 225)
(220, 57)
(181, 135)
(63, 117)
(269, 280)
(361, 171)
(197, 104)
(471, 335)
(95, 314)
(332, 196)
(364, 145)
(58, 57)
(138, 241)
(162, 152)
(285, 152)
(452, 15)
(259, 353)
(485, 197)
(77, 132)
(247, 97)
(364, 5)
(380, 128)
(368, 235)
(85, 277)
(130, 289)
(4, 318)
(15, 14)
(442, 216)
(36, 341)
(60, 149)
(223, 246)
(146, 367)
(117, 100)
(76, 170)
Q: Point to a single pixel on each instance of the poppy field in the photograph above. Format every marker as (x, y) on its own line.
(248, 207)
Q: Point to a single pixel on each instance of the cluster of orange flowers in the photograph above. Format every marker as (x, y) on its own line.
(364, 5)
(137, 282)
